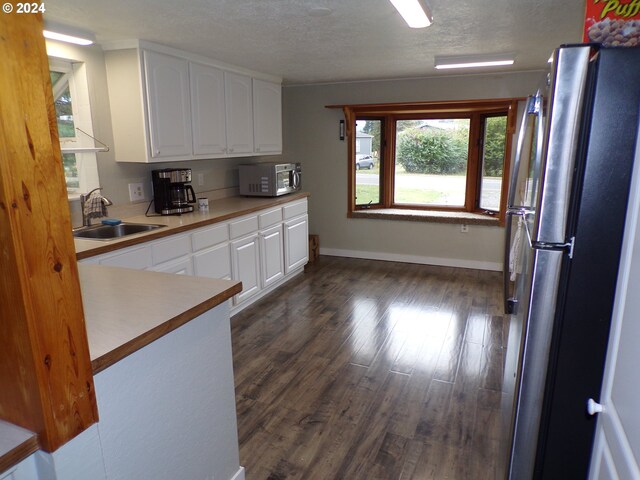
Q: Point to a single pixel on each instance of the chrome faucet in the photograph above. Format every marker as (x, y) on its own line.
(86, 221)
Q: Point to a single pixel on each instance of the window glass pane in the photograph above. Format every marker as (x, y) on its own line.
(64, 114)
(367, 162)
(495, 131)
(431, 161)
(69, 163)
(66, 127)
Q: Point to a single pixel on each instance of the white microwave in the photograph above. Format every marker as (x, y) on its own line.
(270, 179)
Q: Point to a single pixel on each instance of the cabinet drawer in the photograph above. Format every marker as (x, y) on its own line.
(270, 218)
(295, 209)
(243, 227)
(209, 237)
(169, 249)
(137, 258)
(213, 263)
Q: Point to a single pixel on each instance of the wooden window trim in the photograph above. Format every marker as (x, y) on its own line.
(476, 110)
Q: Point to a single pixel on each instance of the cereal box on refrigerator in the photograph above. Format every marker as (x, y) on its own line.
(613, 22)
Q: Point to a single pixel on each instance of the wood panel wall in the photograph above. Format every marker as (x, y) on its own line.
(46, 382)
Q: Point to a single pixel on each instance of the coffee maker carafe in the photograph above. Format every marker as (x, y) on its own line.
(172, 194)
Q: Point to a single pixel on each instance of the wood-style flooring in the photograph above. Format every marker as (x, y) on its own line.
(361, 369)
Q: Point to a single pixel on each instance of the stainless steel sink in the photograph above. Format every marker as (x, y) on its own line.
(109, 232)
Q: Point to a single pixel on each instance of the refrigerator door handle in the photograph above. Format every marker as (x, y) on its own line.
(506, 271)
(510, 303)
(531, 108)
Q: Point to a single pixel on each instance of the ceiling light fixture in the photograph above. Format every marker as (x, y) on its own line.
(473, 61)
(417, 13)
(66, 34)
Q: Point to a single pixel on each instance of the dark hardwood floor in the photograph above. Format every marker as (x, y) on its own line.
(361, 369)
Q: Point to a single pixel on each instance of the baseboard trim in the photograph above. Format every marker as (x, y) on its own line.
(238, 308)
(239, 474)
(399, 257)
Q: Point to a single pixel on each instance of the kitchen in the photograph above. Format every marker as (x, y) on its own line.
(311, 136)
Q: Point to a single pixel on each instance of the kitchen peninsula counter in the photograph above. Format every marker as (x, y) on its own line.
(127, 309)
(219, 211)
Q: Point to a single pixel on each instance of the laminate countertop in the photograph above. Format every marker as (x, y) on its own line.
(127, 309)
(219, 211)
(15, 444)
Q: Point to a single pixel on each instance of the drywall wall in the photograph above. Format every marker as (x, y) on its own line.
(311, 137)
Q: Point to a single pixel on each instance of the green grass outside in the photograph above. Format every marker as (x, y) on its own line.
(371, 193)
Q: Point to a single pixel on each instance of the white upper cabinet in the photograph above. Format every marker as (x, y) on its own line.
(267, 117)
(208, 110)
(239, 109)
(169, 105)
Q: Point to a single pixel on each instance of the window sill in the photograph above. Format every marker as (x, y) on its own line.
(427, 216)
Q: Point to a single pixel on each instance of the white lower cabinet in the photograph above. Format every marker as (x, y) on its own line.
(213, 263)
(138, 258)
(261, 250)
(183, 266)
(245, 266)
(271, 253)
(296, 244)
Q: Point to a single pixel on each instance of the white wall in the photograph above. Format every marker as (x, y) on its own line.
(311, 137)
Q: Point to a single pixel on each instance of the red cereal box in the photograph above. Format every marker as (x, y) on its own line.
(613, 22)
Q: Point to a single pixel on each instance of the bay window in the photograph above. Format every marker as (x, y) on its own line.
(443, 156)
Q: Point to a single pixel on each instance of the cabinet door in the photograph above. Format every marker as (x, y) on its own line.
(267, 117)
(138, 258)
(168, 103)
(271, 253)
(245, 264)
(213, 263)
(296, 243)
(239, 108)
(182, 266)
(207, 110)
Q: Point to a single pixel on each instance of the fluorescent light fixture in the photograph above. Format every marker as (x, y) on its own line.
(473, 61)
(62, 33)
(416, 13)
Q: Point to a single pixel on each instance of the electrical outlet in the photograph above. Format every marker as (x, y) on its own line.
(136, 192)
(200, 179)
(464, 228)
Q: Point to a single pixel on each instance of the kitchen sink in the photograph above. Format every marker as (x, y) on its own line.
(109, 232)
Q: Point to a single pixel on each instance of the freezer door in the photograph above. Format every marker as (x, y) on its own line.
(566, 100)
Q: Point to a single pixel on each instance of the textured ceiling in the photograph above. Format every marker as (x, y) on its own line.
(358, 40)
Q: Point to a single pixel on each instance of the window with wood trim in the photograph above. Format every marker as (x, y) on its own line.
(446, 156)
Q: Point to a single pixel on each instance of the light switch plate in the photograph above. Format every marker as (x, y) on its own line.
(136, 192)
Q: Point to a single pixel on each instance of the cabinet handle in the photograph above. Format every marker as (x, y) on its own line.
(231, 150)
(157, 152)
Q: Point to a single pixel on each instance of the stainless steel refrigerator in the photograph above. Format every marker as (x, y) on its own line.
(566, 210)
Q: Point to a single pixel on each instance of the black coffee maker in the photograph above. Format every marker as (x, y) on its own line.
(172, 194)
